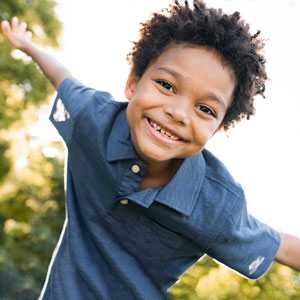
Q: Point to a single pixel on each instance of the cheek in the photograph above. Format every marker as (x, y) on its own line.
(134, 113)
(130, 113)
(204, 130)
(142, 101)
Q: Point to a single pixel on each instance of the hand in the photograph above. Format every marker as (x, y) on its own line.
(19, 37)
(16, 34)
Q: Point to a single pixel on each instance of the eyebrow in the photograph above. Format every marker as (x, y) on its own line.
(171, 71)
(177, 75)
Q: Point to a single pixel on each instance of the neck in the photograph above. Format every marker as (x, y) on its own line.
(158, 169)
(160, 173)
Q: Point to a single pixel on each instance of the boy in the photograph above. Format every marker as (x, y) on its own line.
(145, 199)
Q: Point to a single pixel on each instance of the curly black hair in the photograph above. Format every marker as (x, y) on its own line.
(202, 26)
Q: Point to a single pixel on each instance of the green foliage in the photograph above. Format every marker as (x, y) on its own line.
(21, 84)
(33, 209)
(32, 197)
(38, 14)
(5, 163)
(208, 280)
(19, 76)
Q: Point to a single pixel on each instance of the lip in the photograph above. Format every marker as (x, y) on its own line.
(161, 137)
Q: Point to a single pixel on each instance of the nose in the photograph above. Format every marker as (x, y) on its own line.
(178, 111)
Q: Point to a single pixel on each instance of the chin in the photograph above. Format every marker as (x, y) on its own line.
(156, 155)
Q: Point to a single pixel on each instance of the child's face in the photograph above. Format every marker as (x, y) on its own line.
(186, 91)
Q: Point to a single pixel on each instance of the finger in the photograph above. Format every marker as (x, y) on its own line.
(5, 27)
(14, 24)
(22, 28)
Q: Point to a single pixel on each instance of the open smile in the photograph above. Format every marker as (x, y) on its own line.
(159, 131)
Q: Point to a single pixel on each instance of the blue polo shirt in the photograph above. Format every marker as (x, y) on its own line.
(122, 243)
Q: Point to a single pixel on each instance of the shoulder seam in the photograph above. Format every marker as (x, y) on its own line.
(226, 186)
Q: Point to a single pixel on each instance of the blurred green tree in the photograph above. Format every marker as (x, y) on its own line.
(208, 280)
(17, 75)
(32, 213)
(32, 195)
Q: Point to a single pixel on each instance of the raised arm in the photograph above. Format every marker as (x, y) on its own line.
(289, 251)
(19, 37)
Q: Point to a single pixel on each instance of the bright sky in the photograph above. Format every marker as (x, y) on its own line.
(262, 154)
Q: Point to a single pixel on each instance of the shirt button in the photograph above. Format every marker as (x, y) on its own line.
(124, 201)
(135, 168)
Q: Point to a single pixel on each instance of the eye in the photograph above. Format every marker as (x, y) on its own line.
(206, 109)
(166, 85)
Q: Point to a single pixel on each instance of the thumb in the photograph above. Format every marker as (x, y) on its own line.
(5, 28)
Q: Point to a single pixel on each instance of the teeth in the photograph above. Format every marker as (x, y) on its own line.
(163, 131)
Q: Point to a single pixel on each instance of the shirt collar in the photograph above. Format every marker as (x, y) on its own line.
(182, 192)
(119, 145)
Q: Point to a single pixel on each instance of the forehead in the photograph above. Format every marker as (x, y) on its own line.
(192, 57)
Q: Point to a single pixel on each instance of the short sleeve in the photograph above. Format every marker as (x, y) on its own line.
(71, 97)
(244, 243)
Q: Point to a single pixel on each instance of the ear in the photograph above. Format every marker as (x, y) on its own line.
(130, 87)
